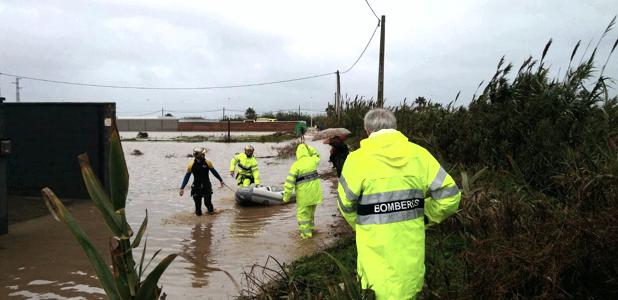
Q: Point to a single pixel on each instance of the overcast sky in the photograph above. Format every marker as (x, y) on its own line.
(433, 48)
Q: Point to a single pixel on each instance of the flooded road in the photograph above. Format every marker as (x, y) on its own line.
(41, 261)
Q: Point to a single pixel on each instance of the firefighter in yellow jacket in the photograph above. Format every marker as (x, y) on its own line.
(389, 188)
(247, 172)
(303, 177)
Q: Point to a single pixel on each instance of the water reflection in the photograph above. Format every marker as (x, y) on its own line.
(249, 221)
(197, 252)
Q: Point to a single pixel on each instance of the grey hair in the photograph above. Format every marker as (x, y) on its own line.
(380, 118)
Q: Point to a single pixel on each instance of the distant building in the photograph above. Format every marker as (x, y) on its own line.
(265, 120)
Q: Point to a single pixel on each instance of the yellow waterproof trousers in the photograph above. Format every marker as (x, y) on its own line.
(244, 180)
(305, 216)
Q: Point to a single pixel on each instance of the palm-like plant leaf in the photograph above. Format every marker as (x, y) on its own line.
(100, 267)
(118, 175)
(141, 260)
(140, 233)
(149, 290)
(99, 197)
(124, 282)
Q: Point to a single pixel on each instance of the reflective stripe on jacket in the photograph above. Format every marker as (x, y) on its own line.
(247, 166)
(303, 177)
(385, 189)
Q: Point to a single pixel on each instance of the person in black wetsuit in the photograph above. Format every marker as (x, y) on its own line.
(201, 187)
(338, 153)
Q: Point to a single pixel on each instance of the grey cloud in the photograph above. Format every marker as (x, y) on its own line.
(128, 44)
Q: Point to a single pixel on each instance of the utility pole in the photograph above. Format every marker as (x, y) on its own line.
(311, 111)
(338, 99)
(17, 88)
(229, 123)
(299, 111)
(229, 138)
(335, 97)
(223, 117)
(162, 115)
(380, 101)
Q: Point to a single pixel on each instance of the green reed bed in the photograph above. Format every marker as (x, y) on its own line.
(536, 156)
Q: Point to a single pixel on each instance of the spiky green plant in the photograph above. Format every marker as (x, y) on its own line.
(320, 276)
(124, 281)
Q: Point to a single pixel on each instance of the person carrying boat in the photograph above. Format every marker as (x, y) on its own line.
(303, 177)
(201, 187)
(247, 172)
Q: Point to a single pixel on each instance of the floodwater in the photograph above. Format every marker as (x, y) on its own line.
(40, 260)
(166, 135)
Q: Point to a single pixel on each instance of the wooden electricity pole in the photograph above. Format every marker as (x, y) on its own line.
(338, 100)
(17, 88)
(229, 136)
(380, 102)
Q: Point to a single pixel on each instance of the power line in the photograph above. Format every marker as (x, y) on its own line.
(365, 49)
(166, 88)
(127, 114)
(374, 13)
(137, 113)
(195, 112)
(203, 87)
(150, 113)
(369, 42)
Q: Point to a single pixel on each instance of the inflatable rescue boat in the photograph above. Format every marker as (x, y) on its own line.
(262, 195)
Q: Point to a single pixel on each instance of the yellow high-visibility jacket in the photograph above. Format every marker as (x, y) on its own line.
(303, 177)
(247, 166)
(386, 188)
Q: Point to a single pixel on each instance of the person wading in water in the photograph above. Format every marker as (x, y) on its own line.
(247, 172)
(201, 187)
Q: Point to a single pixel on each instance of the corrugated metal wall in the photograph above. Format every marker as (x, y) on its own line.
(47, 137)
(4, 218)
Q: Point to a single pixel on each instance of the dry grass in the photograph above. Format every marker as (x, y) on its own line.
(287, 150)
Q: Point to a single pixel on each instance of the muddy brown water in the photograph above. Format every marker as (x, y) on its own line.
(40, 260)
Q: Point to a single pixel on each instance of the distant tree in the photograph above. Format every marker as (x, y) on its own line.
(250, 113)
(269, 115)
(169, 115)
(287, 116)
(292, 116)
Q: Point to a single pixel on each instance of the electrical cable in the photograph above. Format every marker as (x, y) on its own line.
(374, 13)
(365, 49)
(195, 111)
(167, 88)
(205, 87)
(150, 113)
